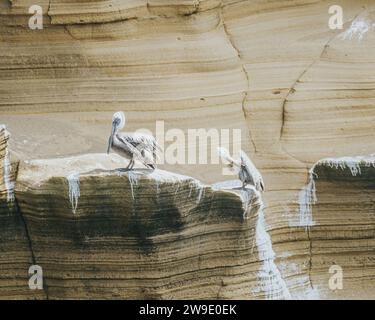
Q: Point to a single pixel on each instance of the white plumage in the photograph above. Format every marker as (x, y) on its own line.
(247, 172)
(130, 145)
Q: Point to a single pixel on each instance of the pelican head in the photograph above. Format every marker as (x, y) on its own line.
(228, 161)
(118, 122)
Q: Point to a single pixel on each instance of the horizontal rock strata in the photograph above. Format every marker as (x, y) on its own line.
(341, 225)
(15, 251)
(297, 90)
(101, 233)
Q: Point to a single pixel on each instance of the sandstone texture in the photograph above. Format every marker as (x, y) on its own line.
(15, 252)
(342, 226)
(101, 233)
(301, 94)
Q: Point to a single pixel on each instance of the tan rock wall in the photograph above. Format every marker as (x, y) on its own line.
(15, 251)
(143, 235)
(273, 69)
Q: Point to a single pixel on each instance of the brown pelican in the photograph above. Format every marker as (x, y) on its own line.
(247, 172)
(130, 145)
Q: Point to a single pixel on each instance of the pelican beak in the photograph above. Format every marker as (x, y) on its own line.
(111, 138)
(109, 144)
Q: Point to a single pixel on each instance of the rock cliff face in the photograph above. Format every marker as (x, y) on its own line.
(298, 91)
(342, 229)
(16, 256)
(102, 233)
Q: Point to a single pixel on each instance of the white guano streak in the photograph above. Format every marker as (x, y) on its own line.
(74, 190)
(307, 196)
(8, 183)
(269, 276)
(359, 27)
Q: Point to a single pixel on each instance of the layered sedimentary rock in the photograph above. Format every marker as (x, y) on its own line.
(98, 232)
(298, 91)
(6, 172)
(310, 97)
(15, 253)
(337, 207)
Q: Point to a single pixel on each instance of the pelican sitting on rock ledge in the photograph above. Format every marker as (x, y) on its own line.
(247, 172)
(129, 145)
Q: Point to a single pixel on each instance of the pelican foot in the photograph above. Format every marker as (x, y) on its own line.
(124, 170)
(130, 165)
(151, 168)
(236, 188)
(135, 170)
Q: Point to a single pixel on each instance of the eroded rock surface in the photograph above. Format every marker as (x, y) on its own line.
(299, 92)
(343, 226)
(102, 233)
(15, 251)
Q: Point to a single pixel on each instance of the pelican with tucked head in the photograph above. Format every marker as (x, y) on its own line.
(132, 145)
(247, 172)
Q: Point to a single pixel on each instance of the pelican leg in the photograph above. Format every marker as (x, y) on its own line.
(128, 166)
(243, 185)
(131, 164)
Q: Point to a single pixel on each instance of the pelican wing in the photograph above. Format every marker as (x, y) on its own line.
(139, 144)
(146, 143)
(129, 144)
(252, 171)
